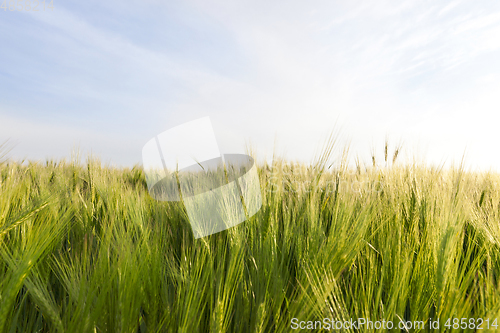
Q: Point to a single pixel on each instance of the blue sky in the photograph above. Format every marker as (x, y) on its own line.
(108, 76)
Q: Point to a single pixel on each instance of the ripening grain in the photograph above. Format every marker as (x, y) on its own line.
(86, 249)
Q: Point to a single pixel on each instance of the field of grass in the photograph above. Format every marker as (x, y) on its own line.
(84, 248)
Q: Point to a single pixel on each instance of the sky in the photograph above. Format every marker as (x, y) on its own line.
(104, 77)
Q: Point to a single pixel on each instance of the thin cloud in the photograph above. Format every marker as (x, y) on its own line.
(379, 67)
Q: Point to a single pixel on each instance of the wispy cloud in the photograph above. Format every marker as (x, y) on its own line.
(259, 69)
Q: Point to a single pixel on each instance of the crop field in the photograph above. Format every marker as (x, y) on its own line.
(84, 248)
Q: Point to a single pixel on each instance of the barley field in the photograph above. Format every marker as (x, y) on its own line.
(84, 248)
